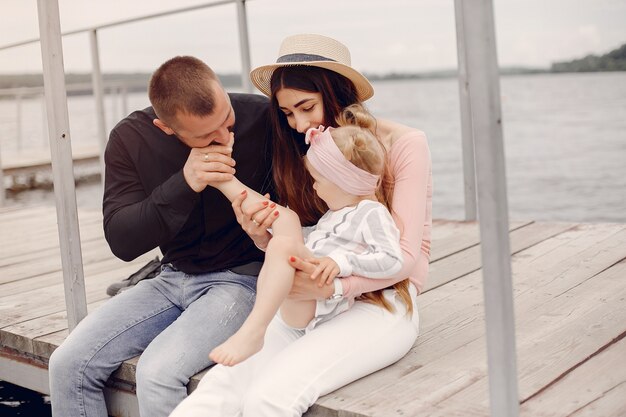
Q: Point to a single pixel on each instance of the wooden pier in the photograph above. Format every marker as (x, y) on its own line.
(570, 305)
(33, 162)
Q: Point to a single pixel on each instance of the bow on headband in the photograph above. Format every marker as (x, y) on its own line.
(329, 161)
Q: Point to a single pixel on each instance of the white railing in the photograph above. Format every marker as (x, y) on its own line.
(117, 90)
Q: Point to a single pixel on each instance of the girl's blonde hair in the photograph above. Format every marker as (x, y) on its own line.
(356, 138)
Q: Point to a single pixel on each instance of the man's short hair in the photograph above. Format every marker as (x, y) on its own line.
(182, 84)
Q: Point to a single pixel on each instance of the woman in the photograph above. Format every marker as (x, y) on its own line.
(310, 85)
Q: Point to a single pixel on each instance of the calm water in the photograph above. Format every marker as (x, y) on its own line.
(565, 141)
(16, 401)
(565, 146)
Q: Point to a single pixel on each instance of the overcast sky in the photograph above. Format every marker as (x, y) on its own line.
(383, 36)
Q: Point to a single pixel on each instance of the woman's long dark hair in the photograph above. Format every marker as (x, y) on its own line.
(294, 185)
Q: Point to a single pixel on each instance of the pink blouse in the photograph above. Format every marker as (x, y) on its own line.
(409, 158)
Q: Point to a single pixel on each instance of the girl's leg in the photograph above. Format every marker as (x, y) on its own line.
(273, 286)
(181, 350)
(360, 341)
(222, 390)
(287, 224)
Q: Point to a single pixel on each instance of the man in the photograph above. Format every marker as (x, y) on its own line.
(160, 164)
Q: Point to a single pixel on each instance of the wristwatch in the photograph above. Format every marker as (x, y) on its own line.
(338, 294)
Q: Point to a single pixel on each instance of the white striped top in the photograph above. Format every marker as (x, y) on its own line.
(363, 240)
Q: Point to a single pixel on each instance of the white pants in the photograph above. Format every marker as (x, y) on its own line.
(294, 369)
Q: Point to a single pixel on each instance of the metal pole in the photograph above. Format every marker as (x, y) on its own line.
(44, 118)
(2, 190)
(244, 46)
(484, 91)
(124, 102)
(61, 152)
(467, 137)
(98, 94)
(114, 98)
(18, 121)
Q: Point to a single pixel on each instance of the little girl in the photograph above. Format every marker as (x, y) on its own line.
(357, 236)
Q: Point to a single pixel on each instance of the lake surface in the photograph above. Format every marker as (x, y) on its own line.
(16, 401)
(565, 141)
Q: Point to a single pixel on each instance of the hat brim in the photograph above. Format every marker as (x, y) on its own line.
(262, 75)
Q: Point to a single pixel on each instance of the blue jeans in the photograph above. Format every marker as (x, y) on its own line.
(175, 319)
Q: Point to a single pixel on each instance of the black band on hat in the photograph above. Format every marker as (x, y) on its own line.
(302, 58)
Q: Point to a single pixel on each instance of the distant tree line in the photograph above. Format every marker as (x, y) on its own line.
(134, 81)
(612, 61)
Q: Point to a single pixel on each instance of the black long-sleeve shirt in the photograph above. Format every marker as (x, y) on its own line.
(147, 202)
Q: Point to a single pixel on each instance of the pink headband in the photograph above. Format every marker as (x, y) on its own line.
(327, 159)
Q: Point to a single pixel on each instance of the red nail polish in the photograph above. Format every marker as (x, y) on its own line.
(273, 205)
(265, 203)
(276, 213)
(292, 259)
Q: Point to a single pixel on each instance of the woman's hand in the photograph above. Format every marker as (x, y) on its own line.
(305, 288)
(256, 219)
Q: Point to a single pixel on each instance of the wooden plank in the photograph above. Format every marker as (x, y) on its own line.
(534, 275)
(33, 238)
(575, 333)
(452, 315)
(27, 217)
(28, 284)
(33, 223)
(10, 214)
(35, 159)
(552, 338)
(469, 260)
(556, 338)
(577, 323)
(48, 250)
(452, 237)
(599, 386)
(93, 251)
(25, 306)
(43, 346)
(20, 336)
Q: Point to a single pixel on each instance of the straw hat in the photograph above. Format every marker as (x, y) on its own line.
(313, 51)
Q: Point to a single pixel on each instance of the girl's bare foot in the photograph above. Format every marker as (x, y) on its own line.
(247, 341)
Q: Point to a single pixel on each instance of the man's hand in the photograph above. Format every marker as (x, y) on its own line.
(209, 165)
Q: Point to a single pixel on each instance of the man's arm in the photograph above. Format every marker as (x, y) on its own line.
(138, 217)
(285, 221)
(136, 222)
